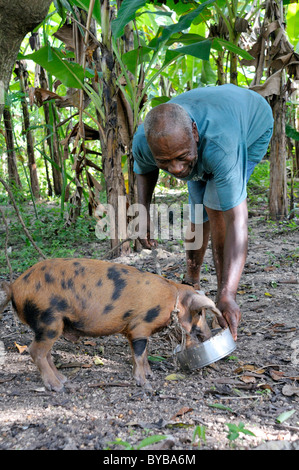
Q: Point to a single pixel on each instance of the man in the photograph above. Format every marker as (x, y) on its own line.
(212, 138)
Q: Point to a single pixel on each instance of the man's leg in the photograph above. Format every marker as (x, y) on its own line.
(198, 235)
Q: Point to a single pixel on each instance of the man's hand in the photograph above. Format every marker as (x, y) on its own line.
(231, 313)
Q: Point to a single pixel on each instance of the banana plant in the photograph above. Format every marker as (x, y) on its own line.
(126, 78)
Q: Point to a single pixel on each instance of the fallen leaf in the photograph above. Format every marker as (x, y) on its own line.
(269, 268)
(157, 358)
(2, 381)
(71, 365)
(175, 377)
(248, 379)
(259, 371)
(266, 387)
(276, 374)
(115, 384)
(289, 390)
(284, 416)
(89, 343)
(39, 389)
(182, 412)
(98, 361)
(20, 348)
(244, 368)
(219, 406)
(267, 294)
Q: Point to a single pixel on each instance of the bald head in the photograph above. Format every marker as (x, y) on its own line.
(167, 120)
(172, 137)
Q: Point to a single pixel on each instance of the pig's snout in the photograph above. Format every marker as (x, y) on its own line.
(201, 335)
(198, 305)
(201, 329)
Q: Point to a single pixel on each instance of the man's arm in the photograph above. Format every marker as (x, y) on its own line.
(145, 186)
(230, 238)
(235, 248)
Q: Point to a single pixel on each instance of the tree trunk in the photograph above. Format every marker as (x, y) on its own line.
(278, 206)
(29, 136)
(296, 159)
(297, 146)
(111, 150)
(17, 18)
(221, 76)
(13, 175)
(233, 68)
(278, 180)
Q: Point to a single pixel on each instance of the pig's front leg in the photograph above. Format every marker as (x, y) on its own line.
(141, 368)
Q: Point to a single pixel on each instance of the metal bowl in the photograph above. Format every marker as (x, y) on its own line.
(215, 348)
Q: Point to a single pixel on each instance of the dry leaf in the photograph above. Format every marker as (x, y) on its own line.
(175, 377)
(182, 412)
(20, 348)
(71, 365)
(289, 390)
(266, 387)
(259, 371)
(276, 374)
(248, 379)
(244, 368)
(40, 95)
(90, 343)
(270, 87)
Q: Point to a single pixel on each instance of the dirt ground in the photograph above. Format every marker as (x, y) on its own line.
(101, 404)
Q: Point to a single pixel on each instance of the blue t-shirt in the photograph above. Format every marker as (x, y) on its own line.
(229, 121)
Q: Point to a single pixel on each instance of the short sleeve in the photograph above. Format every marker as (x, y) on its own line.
(229, 175)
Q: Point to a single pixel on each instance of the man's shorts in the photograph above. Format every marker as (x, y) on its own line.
(201, 192)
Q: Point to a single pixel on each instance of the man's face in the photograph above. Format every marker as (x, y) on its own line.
(176, 154)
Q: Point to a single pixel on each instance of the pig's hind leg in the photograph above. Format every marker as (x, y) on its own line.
(40, 351)
(62, 378)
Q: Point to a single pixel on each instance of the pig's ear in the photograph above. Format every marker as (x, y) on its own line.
(199, 301)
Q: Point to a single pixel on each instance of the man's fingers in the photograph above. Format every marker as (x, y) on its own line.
(233, 321)
(222, 322)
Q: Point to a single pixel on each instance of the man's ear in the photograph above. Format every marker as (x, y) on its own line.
(195, 131)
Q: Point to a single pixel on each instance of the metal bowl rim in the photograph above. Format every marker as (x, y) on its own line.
(211, 356)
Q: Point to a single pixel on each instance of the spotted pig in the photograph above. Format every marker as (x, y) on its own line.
(86, 297)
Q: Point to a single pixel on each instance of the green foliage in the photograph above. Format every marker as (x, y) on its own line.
(284, 416)
(126, 13)
(50, 234)
(173, 52)
(55, 62)
(235, 430)
(199, 434)
(219, 406)
(145, 442)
